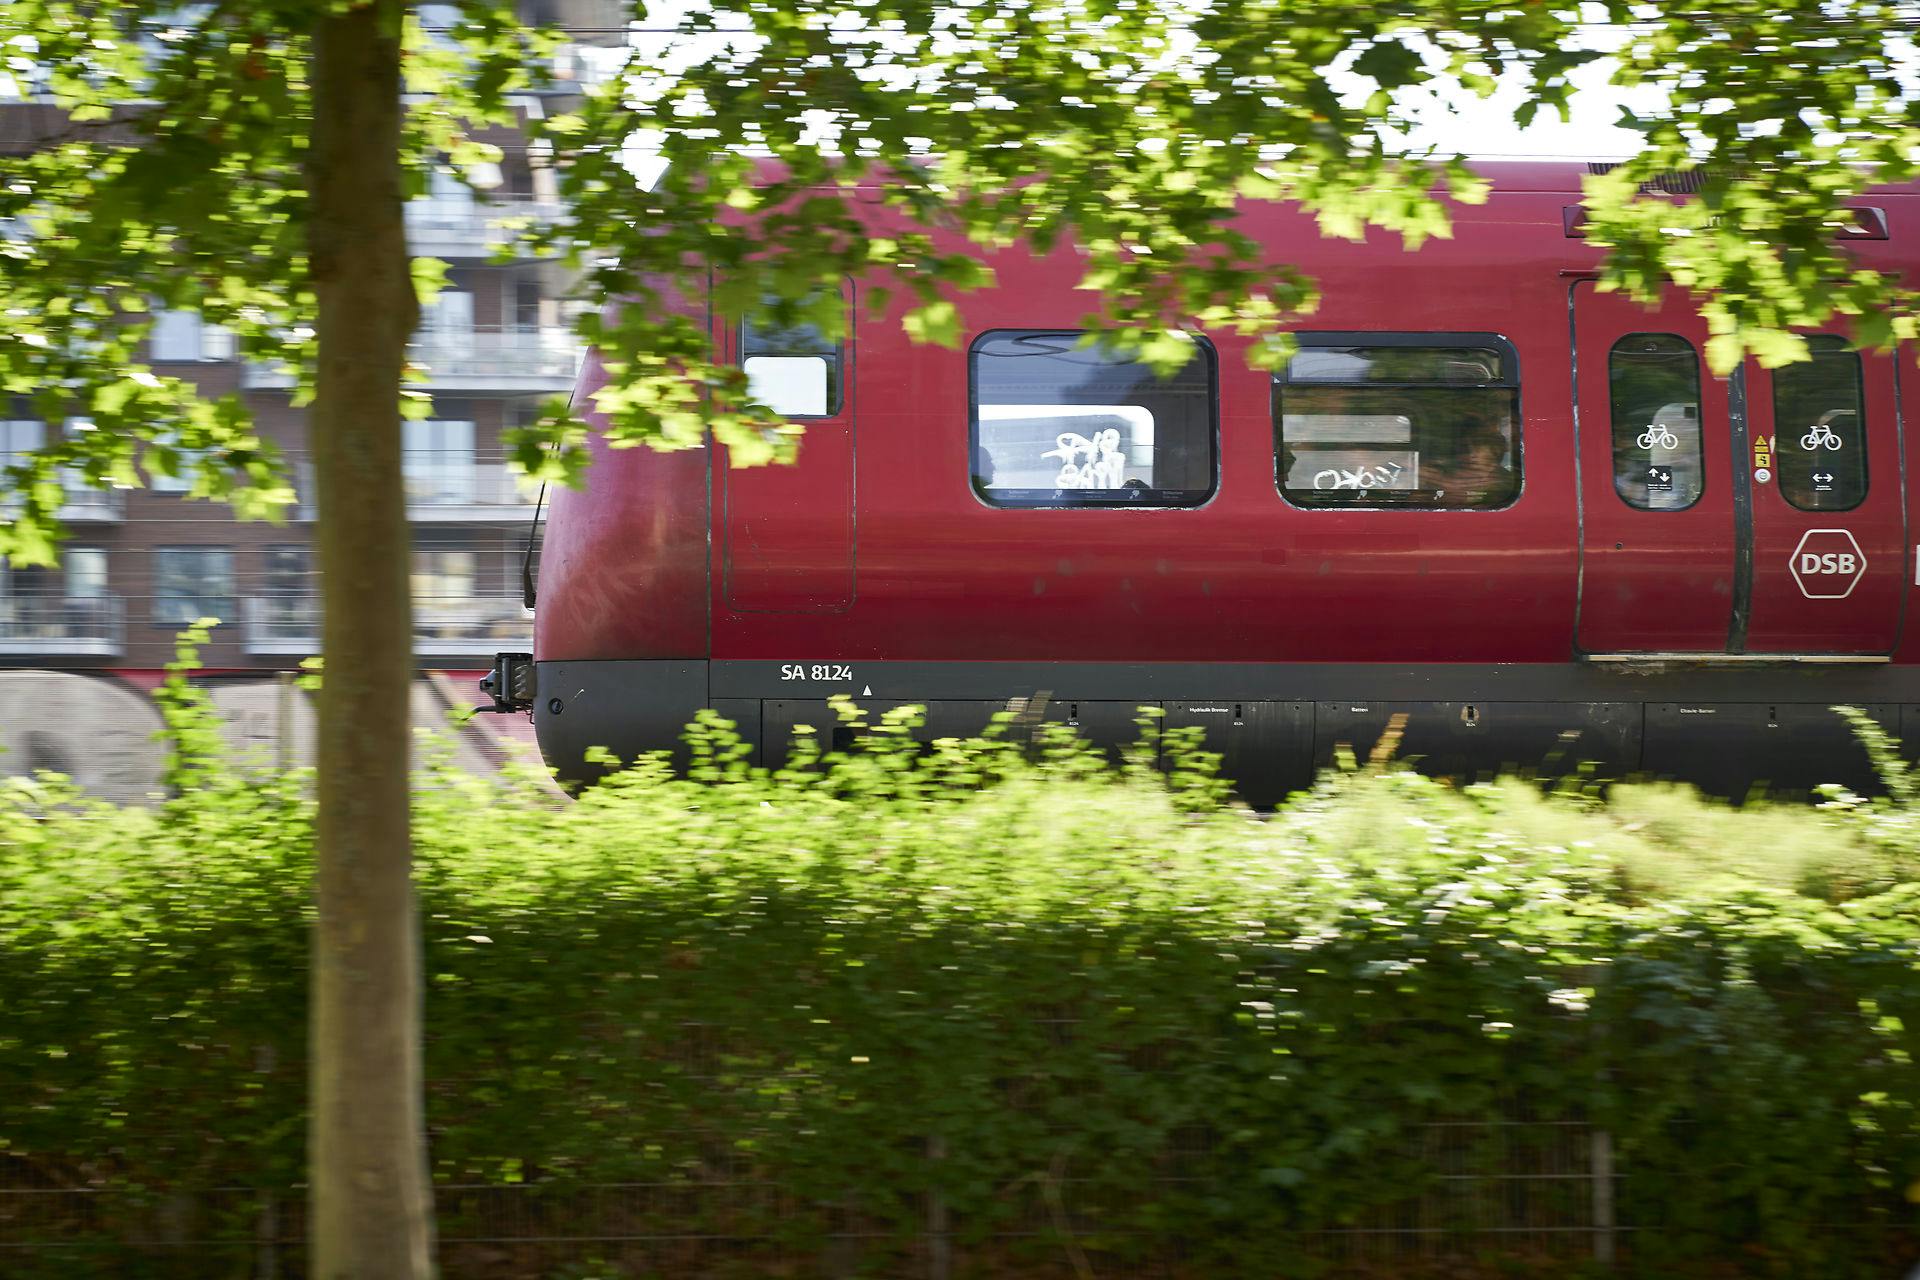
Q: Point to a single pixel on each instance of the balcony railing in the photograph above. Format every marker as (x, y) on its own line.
(55, 625)
(80, 503)
(475, 626)
(87, 505)
(291, 625)
(529, 359)
(456, 490)
(532, 358)
(281, 624)
(443, 228)
(446, 490)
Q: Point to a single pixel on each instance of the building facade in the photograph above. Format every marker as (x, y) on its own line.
(139, 564)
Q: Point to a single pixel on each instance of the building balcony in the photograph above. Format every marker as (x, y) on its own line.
(454, 229)
(453, 492)
(284, 625)
(480, 627)
(55, 626)
(79, 504)
(86, 505)
(289, 626)
(534, 359)
(525, 360)
(440, 491)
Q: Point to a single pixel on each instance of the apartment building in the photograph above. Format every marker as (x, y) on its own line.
(139, 564)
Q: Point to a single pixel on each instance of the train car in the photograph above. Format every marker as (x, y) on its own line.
(1481, 493)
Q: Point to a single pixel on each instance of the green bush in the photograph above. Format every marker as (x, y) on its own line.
(1073, 1012)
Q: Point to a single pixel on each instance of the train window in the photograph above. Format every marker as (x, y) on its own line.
(1378, 420)
(1653, 389)
(793, 369)
(1819, 420)
(1057, 423)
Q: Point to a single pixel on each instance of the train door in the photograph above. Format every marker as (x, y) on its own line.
(1757, 514)
(1658, 500)
(789, 530)
(1829, 523)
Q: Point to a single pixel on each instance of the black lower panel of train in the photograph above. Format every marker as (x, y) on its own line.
(1728, 730)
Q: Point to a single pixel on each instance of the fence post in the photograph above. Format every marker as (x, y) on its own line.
(939, 1243)
(266, 1239)
(1600, 1159)
(266, 1223)
(284, 754)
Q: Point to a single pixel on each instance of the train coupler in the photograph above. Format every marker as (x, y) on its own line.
(510, 684)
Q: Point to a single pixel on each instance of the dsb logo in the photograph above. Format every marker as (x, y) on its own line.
(1830, 562)
(1827, 564)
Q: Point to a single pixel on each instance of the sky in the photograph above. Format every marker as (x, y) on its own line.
(1473, 127)
(1461, 124)
(1484, 128)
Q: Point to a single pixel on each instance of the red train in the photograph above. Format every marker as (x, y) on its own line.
(1483, 493)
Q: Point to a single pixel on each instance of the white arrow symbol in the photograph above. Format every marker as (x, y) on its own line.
(867, 692)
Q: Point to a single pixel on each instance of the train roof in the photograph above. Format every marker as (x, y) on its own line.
(1541, 176)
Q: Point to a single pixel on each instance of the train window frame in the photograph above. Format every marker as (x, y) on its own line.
(1699, 425)
(1070, 499)
(1508, 379)
(839, 351)
(1834, 345)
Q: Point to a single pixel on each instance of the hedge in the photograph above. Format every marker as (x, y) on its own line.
(961, 1010)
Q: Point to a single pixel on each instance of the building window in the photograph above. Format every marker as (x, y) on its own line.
(1653, 391)
(85, 569)
(437, 458)
(19, 439)
(89, 606)
(1058, 422)
(183, 335)
(526, 304)
(286, 572)
(27, 583)
(443, 575)
(1819, 424)
(187, 463)
(1421, 421)
(287, 608)
(191, 583)
(794, 370)
(449, 312)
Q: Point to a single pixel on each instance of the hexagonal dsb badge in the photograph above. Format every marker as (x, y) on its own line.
(1828, 564)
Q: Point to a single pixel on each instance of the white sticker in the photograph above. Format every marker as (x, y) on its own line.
(1761, 475)
(1819, 436)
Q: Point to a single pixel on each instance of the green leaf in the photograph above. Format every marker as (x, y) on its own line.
(429, 278)
(936, 322)
(1391, 64)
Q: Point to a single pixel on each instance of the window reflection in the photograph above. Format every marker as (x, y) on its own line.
(1819, 417)
(1057, 424)
(1423, 426)
(793, 369)
(1653, 386)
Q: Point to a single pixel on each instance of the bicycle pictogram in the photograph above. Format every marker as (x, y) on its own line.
(1657, 435)
(1820, 436)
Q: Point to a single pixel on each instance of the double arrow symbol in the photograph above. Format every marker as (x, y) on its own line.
(1823, 477)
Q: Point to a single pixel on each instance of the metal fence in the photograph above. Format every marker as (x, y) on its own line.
(1535, 1195)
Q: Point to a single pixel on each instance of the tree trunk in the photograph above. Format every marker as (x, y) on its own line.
(371, 1200)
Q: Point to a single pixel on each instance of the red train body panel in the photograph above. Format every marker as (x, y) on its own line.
(874, 567)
